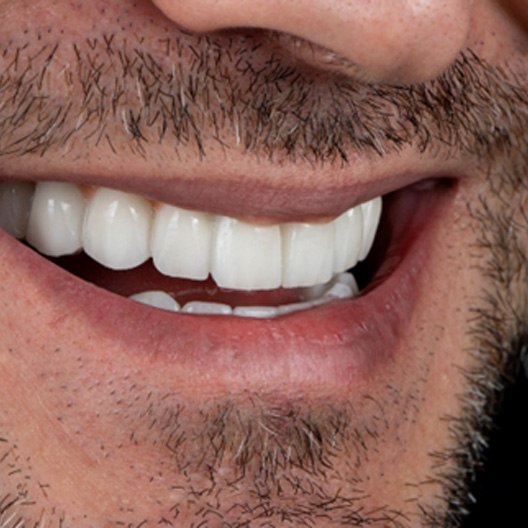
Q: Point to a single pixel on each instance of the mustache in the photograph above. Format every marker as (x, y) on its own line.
(203, 93)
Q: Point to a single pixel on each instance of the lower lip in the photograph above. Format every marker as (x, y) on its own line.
(344, 342)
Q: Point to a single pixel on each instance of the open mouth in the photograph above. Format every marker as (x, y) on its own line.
(349, 280)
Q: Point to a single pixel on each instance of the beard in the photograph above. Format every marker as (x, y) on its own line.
(256, 459)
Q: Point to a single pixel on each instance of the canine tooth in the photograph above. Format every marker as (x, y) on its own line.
(116, 229)
(181, 242)
(371, 216)
(308, 251)
(257, 312)
(55, 220)
(348, 232)
(15, 205)
(157, 299)
(246, 256)
(200, 307)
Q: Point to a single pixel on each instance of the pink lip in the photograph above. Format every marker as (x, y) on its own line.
(345, 342)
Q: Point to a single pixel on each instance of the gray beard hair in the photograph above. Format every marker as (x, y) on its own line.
(281, 112)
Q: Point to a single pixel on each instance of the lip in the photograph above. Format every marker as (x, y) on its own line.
(344, 342)
(248, 190)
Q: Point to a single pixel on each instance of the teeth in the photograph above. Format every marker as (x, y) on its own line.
(308, 251)
(343, 286)
(157, 299)
(15, 205)
(55, 221)
(117, 229)
(246, 256)
(122, 231)
(181, 242)
(348, 234)
(199, 307)
(371, 216)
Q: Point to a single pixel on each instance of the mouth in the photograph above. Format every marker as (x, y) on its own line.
(247, 300)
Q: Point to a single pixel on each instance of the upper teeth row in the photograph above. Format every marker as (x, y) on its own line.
(122, 230)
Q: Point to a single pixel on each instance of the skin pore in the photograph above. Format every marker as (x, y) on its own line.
(94, 430)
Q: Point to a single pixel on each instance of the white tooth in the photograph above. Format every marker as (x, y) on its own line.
(348, 233)
(298, 307)
(349, 280)
(55, 221)
(339, 291)
(15, 205)
(157, 299)
(200, 307)
(181, 242)
(116, 229)
(315, 292)
(257, 312)
(308, 251)
(246, 256)
(371, 216)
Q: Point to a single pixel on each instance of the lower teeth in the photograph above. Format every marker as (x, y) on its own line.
(343, 286)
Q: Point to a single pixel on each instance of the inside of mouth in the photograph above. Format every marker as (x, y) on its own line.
(398, 211)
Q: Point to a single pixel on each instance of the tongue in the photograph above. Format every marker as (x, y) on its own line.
(147, 278)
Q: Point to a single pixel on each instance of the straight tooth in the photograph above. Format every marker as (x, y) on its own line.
(207, 308)
(157, 299)
(246, 256)
(308, 254)
(257, 312)
(15, 206)
(55, 222)
(116, 229)
(348, 232)
(181, 242)
(371, 216)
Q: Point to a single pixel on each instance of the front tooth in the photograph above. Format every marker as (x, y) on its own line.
(371, 216)
(348, 234)
(207, 308)
(55, 221)
(308, 254)
(157, 299)
(15, 205)
(246, 256)
(256, 312)
(181, 242)
(116, 229)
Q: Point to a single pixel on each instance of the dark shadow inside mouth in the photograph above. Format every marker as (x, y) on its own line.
(404, 211)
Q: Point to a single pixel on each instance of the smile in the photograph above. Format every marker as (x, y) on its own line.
(230, 287)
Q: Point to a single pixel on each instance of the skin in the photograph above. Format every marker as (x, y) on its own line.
(78, 403)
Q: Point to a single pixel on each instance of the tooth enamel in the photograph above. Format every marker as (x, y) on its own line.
(181, 242)
(116, 230)
(371, 216)
(200, 307)
(339, 291)
(256, 312)
(157, 299)
(15, 205)
(55, 220)
(308, 254)
(121, 231)
(246, 256)
(348, 232)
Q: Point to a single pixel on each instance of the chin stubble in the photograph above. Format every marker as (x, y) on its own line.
(281, 457)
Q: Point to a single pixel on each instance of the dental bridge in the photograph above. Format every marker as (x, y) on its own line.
(190, 261)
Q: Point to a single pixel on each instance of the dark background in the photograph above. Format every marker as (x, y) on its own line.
(502, 491)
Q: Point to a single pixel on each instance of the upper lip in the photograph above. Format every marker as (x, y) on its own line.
(259, 192)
